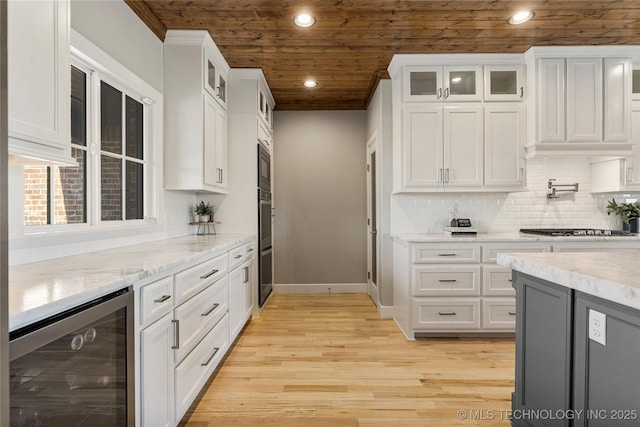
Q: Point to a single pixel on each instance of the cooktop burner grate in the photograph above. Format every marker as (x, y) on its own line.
(574, 232)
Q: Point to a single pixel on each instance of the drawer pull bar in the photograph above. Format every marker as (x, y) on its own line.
(512, 313)
(237, 256)
(163, 298)
(176, 334)
(246, 275)
(447, 313)
(511, 280)
(447, 280)
(209, 274)
(208, 312)
(250, 250)
(447, 254)
(206, 362)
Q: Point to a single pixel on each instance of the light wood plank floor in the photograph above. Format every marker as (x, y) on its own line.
(329, 360)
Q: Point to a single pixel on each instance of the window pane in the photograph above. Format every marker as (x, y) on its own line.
(110, 119)
(36, 195)
(71, 191)
(78, 107)
(135, 127)
(111, 188)
(134, 190)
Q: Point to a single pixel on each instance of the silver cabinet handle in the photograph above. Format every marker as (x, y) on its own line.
(163, 298)
(446, 93)
(209, 274)
(521, 91)
(237, 256)
(447, 313)
(374, 232)
(510, 280)
(439, 92)
(250, 250)
(208, 312)
(440, 178)
(447, 254)
(218, 91)
(176, 334)
(512, 313)
(446, 175)
(246, 275)
(206, 362)
(447, 280)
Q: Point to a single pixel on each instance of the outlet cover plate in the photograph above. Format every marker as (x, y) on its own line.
(597, 327)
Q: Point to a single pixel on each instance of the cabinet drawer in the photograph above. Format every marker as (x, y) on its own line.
(249, 250)
(198, 315)
(490, 251)
(195, 369)
(191, 281)
(499, 313)
(449, 313)
(446, 281)
(236, 257)
(496, 281)
(445, 254)
(156, 299)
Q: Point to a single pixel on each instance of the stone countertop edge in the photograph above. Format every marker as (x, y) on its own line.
(612, 276)
(40, 290)
(507, 237)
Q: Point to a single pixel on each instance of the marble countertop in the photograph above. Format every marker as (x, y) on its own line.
(508, 237)
(613, 276)
(40, 290)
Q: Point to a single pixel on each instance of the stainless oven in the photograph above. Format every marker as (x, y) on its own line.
(265, 246)
(77, 368)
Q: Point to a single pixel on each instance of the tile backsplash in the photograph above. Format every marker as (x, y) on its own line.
(507, 212)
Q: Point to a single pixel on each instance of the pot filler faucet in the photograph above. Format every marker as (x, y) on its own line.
(554, 189)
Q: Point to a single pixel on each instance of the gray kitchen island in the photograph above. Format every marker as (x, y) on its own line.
(577, 338)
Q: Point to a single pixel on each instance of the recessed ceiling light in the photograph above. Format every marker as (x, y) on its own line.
(521, 17)
(304, 20)
(309, 83)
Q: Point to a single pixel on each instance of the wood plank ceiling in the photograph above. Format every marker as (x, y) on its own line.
(348, 49)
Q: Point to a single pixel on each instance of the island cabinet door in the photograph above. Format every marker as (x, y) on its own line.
(606, 364)
(543, 351)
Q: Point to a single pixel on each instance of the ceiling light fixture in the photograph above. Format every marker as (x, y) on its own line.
(310, 83)
(521, 17)
(304, 20)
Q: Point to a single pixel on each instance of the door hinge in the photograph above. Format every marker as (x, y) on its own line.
(368, 221)
(367, 168)
(368, 275)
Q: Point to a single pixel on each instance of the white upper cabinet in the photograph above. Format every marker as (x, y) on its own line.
(452, 83)
(196, 140)
(504, 82)
(580, 100)
(504, 135)
(470, 146)
(38, 55)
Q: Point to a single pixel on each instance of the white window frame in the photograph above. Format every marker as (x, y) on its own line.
(99, 66)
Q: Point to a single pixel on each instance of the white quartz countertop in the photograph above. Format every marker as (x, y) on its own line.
(40, 290)
(507, 237)
(613, 276)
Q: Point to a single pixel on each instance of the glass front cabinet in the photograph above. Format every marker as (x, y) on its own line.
(503, 82)
(443, 83)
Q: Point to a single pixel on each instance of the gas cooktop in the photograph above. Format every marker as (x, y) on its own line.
(574, 232)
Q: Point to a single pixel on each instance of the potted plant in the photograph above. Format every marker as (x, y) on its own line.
(204, 211)
(628, 212)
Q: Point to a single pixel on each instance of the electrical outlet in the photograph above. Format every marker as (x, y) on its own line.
(598, 327)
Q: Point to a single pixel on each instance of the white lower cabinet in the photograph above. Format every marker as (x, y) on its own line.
(183, 329)
(156, 373)
(455, 288)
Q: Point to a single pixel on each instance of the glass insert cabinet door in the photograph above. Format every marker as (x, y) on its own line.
(443, 83)
(504, 82)
(635, 92)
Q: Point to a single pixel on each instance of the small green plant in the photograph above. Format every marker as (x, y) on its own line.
(203, 208)
(626, 211)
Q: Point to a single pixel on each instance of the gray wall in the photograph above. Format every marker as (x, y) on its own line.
(116, 29)
(320, 197)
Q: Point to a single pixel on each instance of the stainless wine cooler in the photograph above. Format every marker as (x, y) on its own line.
(76, 369)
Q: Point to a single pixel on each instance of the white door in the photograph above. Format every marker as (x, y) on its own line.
(422, 147)
(373, 241)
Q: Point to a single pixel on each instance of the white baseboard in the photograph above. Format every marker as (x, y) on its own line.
(385, 311)
(321, 288)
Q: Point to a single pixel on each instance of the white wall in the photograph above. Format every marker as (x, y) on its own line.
(502, 212)
(116, 29)
(319, 197)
